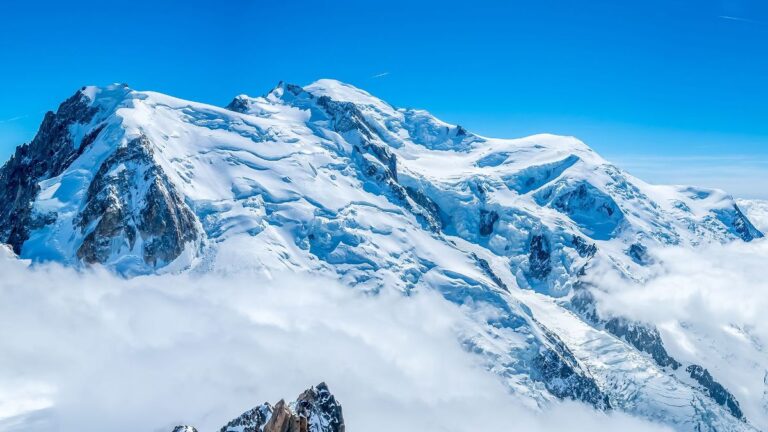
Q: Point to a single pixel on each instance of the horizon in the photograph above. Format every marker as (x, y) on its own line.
(674, 95)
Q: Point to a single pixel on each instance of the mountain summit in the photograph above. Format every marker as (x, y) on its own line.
(329, 179)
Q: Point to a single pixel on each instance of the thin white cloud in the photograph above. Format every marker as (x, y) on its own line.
(13, 119)
(737, 174)
(380, 75)
(740, 19)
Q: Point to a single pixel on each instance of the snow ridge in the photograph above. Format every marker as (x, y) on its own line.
(328, 179)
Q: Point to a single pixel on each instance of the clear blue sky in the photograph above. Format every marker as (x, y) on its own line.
(675, 91)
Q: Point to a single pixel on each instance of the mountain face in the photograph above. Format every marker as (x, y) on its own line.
(315, 410)
(327, 179)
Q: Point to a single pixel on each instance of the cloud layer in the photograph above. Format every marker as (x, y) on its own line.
(710, 305)
(91, 352)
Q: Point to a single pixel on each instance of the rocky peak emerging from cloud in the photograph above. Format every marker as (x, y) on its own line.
(314, 410)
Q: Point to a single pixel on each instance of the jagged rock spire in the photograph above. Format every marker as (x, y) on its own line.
(315, 410)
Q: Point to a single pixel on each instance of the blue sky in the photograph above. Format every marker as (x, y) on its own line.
(674, 91)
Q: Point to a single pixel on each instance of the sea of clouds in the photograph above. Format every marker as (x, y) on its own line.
(87, 351)
(710, 304)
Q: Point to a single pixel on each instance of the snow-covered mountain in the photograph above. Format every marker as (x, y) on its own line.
(328, 179)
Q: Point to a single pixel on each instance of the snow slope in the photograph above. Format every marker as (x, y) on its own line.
(327, 179)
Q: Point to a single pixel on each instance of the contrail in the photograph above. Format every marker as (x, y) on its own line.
(733, 18)
(12, 119)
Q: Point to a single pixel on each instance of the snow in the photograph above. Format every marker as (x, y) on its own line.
(283, 187)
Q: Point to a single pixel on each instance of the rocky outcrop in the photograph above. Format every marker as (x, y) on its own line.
(738, 224)
(583, 248)
(639, 254)
(239, 104)
(539, 262)
(487, 220)
(557, 368)
(715, 390)
(375, 159)
(46, 156)
(486, 268)
(321, 409)
(315, 410)
(645, 338)
(252, 420)
(131, 199)
(592, 209)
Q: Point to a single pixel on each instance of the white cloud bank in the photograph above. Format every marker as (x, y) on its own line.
(90, 352)
(710, 305)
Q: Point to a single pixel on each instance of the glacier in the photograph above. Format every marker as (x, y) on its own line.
(328, 179)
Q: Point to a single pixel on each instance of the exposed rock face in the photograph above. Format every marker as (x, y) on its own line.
(739, 224)
(250, 421)
(131, 199)
(487, 220)
(647, 339)
(715, 390)
(49, 153)
(593, 210)
(639, 254)
(585, 250)
(644, 338)
(377, 161)
(539, 257)
(561, 373)
(483, 264)
(321, 410)
(315, 410)
(238, 104)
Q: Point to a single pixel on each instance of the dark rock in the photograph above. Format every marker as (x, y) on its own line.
(315, 410)
(539, 264)
(318, 403)
(715, 390)
(165, 222)
(184, 428)
(645, 338)
(584, 249)
(48, 155)
(250, 421)
(593, 210)
(583, 303)
(487, 221)
(557, 368)
(639, 254)
(426, 203)
(346, 118)
(239, 104)
(483, 264)
(737, 223)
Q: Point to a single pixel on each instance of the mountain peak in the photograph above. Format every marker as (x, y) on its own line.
(106, 96)
(342, 92)
(329, 180)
